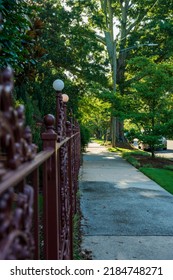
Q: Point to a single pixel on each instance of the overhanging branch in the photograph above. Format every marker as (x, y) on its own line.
(135, 79)
(101, 39)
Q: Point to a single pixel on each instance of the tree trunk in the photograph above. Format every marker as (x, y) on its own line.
(152, 152)
(117, 126)
(113, 131)
(121, 132)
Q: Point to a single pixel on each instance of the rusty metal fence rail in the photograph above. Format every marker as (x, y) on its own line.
(28, 177)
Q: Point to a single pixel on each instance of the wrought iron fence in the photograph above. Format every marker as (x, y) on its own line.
(27, 177)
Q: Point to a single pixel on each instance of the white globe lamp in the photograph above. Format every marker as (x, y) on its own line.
(58, 85)
(65, 98)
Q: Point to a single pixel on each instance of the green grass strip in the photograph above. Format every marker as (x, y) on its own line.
(162, 177)
(126, 152)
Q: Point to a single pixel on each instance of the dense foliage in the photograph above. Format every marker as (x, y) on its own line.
(42, 43)
(149, 104)
(104, 52)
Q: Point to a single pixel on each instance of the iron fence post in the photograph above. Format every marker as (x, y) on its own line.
(50, 192)
(69, 134)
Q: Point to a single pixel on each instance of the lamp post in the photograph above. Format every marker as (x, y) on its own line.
(65, 173)
(58, 86)
(65, 99)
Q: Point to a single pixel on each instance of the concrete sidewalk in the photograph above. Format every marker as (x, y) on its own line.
(125, 214)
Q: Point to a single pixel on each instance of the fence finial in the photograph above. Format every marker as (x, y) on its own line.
(49, 122)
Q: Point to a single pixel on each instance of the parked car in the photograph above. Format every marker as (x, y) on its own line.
(162, 145)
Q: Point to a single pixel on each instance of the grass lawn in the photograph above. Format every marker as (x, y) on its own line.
(161, 176)
(130, 155)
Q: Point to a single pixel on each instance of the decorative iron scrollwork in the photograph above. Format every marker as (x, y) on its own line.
(16, 140)
(16, 209)
(16, 204)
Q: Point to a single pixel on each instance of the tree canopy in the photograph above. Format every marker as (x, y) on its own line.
(149, 104)
(107, 52)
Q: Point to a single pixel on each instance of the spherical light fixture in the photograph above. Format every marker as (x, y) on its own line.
(58, 85)
(65, 98)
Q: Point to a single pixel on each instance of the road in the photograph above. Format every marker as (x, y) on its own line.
(169, 152)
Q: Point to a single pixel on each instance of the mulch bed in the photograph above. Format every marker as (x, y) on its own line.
(157, 162)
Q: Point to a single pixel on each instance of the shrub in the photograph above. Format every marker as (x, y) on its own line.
(85, 136)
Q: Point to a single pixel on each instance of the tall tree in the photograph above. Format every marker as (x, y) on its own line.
(149, 103)
(122, 25)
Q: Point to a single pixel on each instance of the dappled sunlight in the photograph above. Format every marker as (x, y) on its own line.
(122, 185)
(136, 180)
(149, 194)
(126, 184)
(144, 182)
(108, 157)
